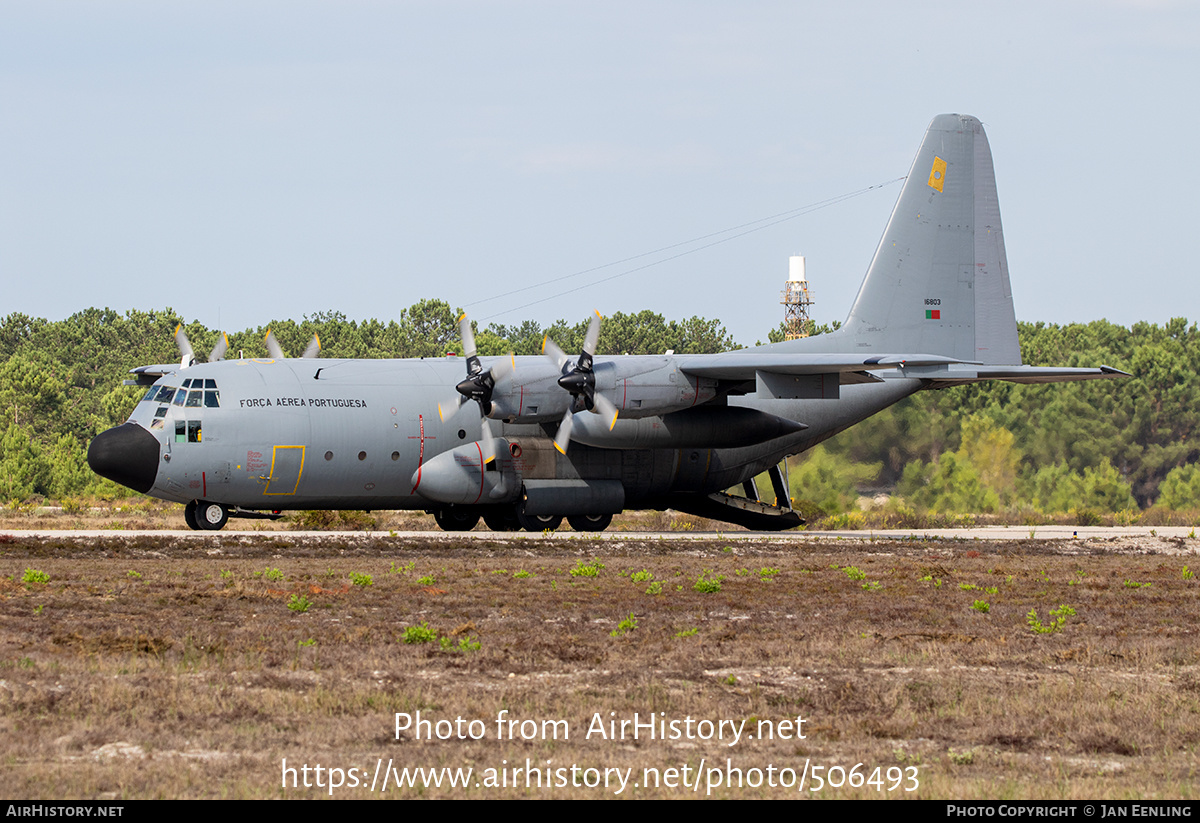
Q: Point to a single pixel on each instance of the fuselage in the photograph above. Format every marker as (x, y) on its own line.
(353, 434)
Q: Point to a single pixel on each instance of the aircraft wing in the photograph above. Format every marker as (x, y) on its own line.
(736, 365)
(819, 376)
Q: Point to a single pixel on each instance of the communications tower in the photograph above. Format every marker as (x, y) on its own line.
(796, 301)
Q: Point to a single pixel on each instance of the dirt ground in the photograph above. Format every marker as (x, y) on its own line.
(282, 665)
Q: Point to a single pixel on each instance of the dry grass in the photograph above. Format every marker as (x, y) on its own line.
(175, 668)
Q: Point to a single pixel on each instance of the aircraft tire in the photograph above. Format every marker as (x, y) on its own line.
(503, 519)
(211, 516)
(189, 515)
(456, 520)
(590, 522)
(539, 522)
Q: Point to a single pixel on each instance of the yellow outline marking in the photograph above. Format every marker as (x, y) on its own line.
(299, 474)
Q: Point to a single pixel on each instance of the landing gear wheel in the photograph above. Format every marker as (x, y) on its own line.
(211, 516)
(503, 519)
(189, 515)
(590, 522)
(539, 522)
(456, 520)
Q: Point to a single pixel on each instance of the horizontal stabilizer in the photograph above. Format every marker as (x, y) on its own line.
(958, 376)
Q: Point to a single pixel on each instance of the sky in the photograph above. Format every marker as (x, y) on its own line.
(247, 161)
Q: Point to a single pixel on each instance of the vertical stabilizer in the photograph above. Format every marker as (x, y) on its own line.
(939, 281)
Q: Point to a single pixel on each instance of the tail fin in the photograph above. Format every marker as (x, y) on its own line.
(939, 281)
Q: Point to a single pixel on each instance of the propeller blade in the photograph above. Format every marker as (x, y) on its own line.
(467, 335)
(489, 443)
(503, 368)
(218, 352)
(563, 438)
(186, 356)
(313, 348)
(448, 408)
(606, 409)
(273, 347)
(551, 350)
(593, 335)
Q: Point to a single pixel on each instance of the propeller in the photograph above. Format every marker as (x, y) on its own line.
(580, 381)
(478, 385)
(187, 356)
(276, 351)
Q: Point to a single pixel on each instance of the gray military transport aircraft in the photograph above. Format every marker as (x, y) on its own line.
(586, 437)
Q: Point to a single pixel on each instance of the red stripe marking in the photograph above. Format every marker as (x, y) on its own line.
(204, 484)
(421, 450)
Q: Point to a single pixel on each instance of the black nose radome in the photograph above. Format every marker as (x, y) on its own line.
(127, 454)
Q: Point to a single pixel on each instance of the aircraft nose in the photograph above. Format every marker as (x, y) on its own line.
(127, 454)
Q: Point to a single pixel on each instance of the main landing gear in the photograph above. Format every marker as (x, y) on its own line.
(204, 516)
(511, 519)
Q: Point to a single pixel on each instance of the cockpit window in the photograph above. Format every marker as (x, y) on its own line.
(165, 393)
(212, 399)
(194, 399)
(180, 396)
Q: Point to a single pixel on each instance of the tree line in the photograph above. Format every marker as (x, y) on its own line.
(1106, 444)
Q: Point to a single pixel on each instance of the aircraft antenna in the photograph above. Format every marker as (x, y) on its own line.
(796, 300)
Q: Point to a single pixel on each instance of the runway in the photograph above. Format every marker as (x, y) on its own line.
(985, 533)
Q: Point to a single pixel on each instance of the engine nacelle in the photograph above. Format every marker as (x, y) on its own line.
(460, 476)
(637, 386)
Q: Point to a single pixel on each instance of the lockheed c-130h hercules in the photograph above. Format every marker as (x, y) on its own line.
(527, 441)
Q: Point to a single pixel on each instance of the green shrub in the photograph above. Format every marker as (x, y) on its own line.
(35, 576)
(420, 634)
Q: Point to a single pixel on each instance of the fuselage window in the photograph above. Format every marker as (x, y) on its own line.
(328, 455)
(395, 455)
(362, 455)
(180, 431)
(193, 431)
